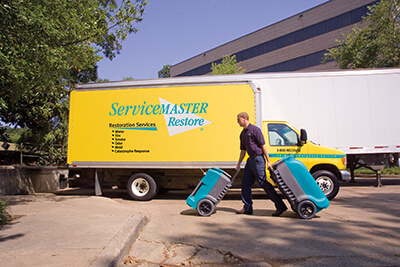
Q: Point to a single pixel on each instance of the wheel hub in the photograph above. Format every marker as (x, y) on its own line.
(325, 184)
(140, 187)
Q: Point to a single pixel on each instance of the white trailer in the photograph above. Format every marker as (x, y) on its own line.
(354, 111)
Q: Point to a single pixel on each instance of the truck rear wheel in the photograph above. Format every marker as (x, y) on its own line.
(141, 186)
(328, 182)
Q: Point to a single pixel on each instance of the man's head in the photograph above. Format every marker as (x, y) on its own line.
(243, 119)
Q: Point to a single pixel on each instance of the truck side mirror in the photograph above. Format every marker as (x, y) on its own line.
(303, 137)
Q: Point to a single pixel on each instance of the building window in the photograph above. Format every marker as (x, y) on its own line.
(320, 28)
(300, 63)
(309, 32)
(332, 24)
(345, 19)
(311, 60)
(260, 49)
(289, 65)
(358, 14)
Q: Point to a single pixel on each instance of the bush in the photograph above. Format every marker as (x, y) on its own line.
(392, 170)
(387, 171)
(5, 216)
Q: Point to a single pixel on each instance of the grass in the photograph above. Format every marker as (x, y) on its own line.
(5, 216)
(386, 171)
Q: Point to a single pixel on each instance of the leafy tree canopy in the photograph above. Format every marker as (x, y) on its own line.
(374, 46)
(165, 72)
(48, 45)
(228, 65)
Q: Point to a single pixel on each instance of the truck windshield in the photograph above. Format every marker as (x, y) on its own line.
(281, 135)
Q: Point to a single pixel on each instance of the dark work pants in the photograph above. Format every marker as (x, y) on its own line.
(255, 169)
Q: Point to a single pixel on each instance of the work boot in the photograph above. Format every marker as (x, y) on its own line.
(243, 211)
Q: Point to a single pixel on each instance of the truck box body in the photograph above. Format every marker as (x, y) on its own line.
(157, 127)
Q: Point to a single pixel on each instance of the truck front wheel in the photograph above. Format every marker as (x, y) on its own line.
(328, 182)
(141, 186)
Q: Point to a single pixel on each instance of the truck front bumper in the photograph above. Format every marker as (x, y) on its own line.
(345, 175)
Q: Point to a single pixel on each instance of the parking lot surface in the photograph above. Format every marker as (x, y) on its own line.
(360, 228)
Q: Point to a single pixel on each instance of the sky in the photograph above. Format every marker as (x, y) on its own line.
(173, 31)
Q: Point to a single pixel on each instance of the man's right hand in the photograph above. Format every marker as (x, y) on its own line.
(238, 167)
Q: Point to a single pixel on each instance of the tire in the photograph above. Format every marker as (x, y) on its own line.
(205, 207)
(306, 209)
(328, 182)
(142, 186)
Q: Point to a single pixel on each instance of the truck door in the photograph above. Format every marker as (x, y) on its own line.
(282, 140)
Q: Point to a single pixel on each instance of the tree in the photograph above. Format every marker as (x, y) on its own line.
(165, 72)
(227, 66)
(102, 80)
(374, 46)
(46, 46)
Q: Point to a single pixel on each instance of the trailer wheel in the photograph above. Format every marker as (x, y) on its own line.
(328, 182)
(141, 186)
(307, 209)
(205, 207)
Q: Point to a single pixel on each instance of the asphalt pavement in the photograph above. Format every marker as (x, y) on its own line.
(68, 230)
(74, 228)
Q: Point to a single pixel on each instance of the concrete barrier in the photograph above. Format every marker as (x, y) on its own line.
(17, 180)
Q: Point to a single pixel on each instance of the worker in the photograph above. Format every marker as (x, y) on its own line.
(252, 142)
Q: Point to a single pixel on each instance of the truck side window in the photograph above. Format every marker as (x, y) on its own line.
(281, 135)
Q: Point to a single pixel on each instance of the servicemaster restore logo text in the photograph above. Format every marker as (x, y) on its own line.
(178, 118)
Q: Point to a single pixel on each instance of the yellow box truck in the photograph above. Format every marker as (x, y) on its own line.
(164, 133)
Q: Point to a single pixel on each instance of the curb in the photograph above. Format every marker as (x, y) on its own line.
(113, 254)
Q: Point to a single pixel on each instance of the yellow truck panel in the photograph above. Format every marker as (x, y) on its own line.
(165, 124)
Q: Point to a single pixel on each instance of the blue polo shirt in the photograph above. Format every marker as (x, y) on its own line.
(251, 140)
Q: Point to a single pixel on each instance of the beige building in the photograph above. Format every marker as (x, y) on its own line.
(297, 43)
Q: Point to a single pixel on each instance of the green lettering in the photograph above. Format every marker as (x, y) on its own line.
(141, 113)
(155, 109)
(135, 110)
(114, 108)
(196, 107)
(188, 105)
(203, 108)
(148, 113)
(165, 109)
(174, 109)
(120, 110)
